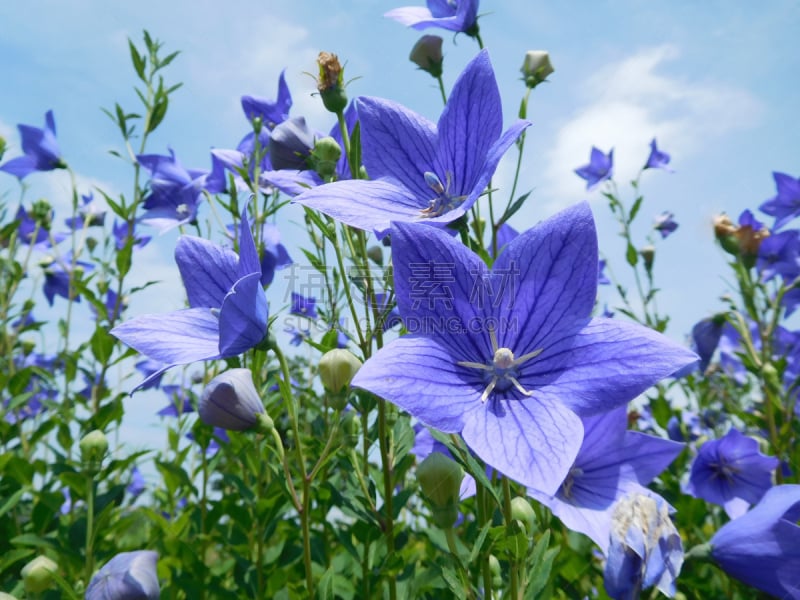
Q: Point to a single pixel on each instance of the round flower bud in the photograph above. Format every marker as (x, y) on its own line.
(231, 401)
(94, 446)
(440, 479)
(290, 145)
(325, 156)
(427, 54)
(4, 596)
(337, 368)
(648, 254)
(331, 82)
(37, 575)
(536, 67)
(522, 511)
(375, 254)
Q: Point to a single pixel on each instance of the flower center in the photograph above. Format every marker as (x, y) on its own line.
(566, 487)
(443, 202)
(502, 372)
(182, 210)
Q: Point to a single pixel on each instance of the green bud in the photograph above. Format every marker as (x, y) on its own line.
(494, 565)
(536, 67)
(375, 254)
(331, 82)
(648, 254)
(337, 368)
(264, 423)
(42, 213)
(94, 446)
(37, 575)
(3, 146)
(427, 55)
(522, 511)
(440, 479)
(325, 156)
(4, 596)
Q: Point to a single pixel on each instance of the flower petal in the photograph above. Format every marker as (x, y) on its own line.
(207, 269)
(243, 316)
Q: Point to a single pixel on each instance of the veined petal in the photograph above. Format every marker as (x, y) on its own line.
(648, 456)
(551, 278)
(248, 255)
(398, 143)
(440, 289)
(410, 15)
(175, 338)
(368, 205)
(470, 124)
(419, 375)
(208, 270)
(243, 316)
(606, 364)
(533, 441)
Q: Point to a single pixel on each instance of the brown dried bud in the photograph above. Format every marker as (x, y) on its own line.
(330, 82)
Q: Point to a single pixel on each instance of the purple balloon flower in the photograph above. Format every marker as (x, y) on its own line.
(421, 171)
(762, 547)
(665, 224)
(731, 472)
(271, 112)
(228, 307)
(127, 576)
(275, 256)
(31, 233)
(174, 191)
(137, 484)
(511, 357)
(231, 401)
(90, 214)
(600, 168)
(611, 463)
(785, 206)
(453, 15)
(657, 158)
(40, 148)
(303, 306)
(57, 277)
(705, 338)
(779, 254)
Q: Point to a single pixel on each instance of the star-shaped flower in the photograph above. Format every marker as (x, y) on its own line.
(40, 148)
(599, 169)
(271, 112)
(611, 463)
(785, 206)
(657, 158)
(421, 171)
(127, 575)
(228, 307)
(453, 15)
(665, 224)
(510, 358)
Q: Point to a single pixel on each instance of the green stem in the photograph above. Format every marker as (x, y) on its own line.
(388, 488)
(89, 569)
(441, 89)
(514, 590)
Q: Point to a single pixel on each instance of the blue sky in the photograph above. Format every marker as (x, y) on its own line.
(716, 82)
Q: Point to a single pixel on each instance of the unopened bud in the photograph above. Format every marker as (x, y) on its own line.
(290, 144)
(231, 401)
(94, 446)
(427, 54)
(331, 82)
(325, 156)
(536, 67)
(37, 575)
(440, 479)
(375, 254)
(337, 368)
(648, 254)
(2, 146)
(522, 511)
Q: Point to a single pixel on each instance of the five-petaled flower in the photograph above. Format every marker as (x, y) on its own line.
(599, 169)
(228, 307)
(785, 206)
(40, 148)
(421, 171)
(453, 15)
(657, 159)
(516, 359)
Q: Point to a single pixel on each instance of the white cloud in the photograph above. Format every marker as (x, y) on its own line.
(628, 103)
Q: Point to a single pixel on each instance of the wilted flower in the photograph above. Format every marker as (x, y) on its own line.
(231, 401)
(732, 472)
(41, 151)
(330, 82)
(645, 548)
(762, 547)
(536, 67)
(127, 576)
(427, 54)
(599, 169)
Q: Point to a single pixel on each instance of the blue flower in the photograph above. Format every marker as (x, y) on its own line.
(511, 357)
(90, 214)
(665, 224)
(303, 306)
(174, 191)
(762, 547)
(122, 230)
(137, 484)
(611, 463)
(33, 233)
(231, 401)
(600, 168)
(40, 148)
(731, 472)
(645, 548)
(785, 206)
(179, 401)
(275, 256)
(58, 275)
(705, 338)
(657, 158)
(602, 278)
(453, 15)
(779, 254)
(421, 171)
(127, 576)
(228, 308)
(270, 112)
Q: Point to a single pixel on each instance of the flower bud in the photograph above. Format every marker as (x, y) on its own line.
(290, 144)
(3, 595)
(337, 368)
(37, 575)
(325, 156)
(3, 146)
(536, 67)
(427, 54)
(231, 401)
(522, 511)
(331, 82)
(440, 479)
(375, 254)
(648, 254)
(94, 446)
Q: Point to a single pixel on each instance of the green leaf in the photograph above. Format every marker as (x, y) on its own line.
(102, 344)
(635, 209)
(513, 208)
(541, 560)
(12, 501)
(139, 60)
(158, 114)
(631, 255)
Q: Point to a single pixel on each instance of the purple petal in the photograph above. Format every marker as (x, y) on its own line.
(243, 316)
(208, 270)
